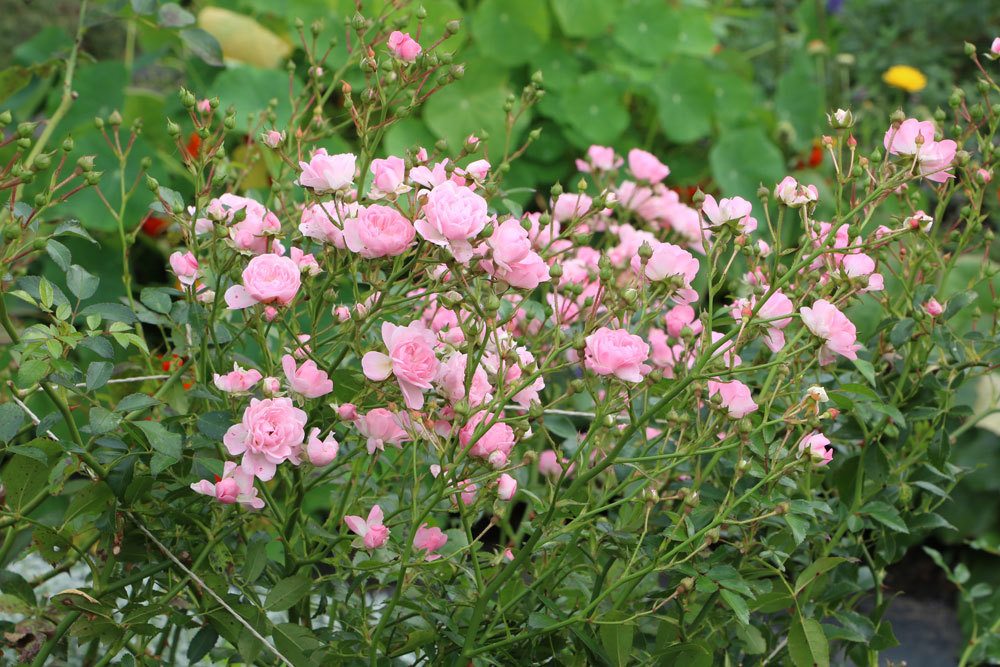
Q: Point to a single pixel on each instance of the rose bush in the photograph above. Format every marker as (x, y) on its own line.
(403, 419)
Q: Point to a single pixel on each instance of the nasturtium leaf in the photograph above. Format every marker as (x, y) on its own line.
(799, 101)
(585, 18)
(594, 108)
(250, 89)
(640, 28)
(685, 100)
(511, 31)
(743, 159)
(467, 107)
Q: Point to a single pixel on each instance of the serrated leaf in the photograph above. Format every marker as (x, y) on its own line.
(737, 604)
(287, 592)
(885, 514)
(617, 639)
(98, 374)
(815, 569)
(11, 419)
(80, 282)
(23, 477)
(807, 644)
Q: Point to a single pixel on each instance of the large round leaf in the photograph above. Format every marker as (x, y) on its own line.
(585, 18)
(250, 89)
(511, 31)
(652, 30)
(685, 100)
(467, 108)
(799, 101)
(594, 109)
(742, 160)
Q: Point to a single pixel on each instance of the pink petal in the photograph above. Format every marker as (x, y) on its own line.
(377, 366)
(238, 298)
(356, 524)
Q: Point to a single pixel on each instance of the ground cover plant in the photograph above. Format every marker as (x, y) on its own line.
(391, 410)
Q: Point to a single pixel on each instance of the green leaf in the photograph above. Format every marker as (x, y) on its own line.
(103, 420)
(816, 568)
(585, 18)
(112, 312)
(203, 45)
(13, 79)
(91, 500)
(742, 160)
(166, 445)
(885, 514)
(156, 299)
(685, 100)
(737, 604)
(866, 370)
(799, 101)
(594, 109)
(11, 419)
(287, 592)
(31, 373)
(23, 477)
(958, 303)
(59, 253)
(798, 526)
(51, 545)
(295, 642)
(250, 89)
(807, 644)
(81, 283)
(134, 402)
(617, 639)
(202, 642)
(172, 15)
(561, 426)
(901, 332)
(640, 27)
(468, 107)
(511, 31)
(753, 640)
(98, 374)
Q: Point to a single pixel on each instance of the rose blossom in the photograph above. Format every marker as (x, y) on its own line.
(373, 533)
(570, 205)
(599, 158)
(827, 322)
(451, 381)
(266, 279)
(390, 177)
(617, 352)
(306, 379)
(378, 231)
(235, 486)
(185, 267)
(317, 223)
(429, 540)
(645, 167)
(238, 380)
(494, 445)
(512, 258)
(453, 214)
(506, 487)
(818, 447)
(915, 139)
(995, 46)
(794, 195)
(403, 46)
(381, 427)
(933, 307)
(271, 432)
(735, 396)
(273, 138)
(411, 359)
(327, 173)
(321, 452)
(735, 209)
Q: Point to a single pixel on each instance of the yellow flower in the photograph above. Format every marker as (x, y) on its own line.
(908, 78)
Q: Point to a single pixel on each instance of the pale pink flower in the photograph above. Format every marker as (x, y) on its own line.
(915, 139)
(568, 206)
(307, 379)
(306, 262)
(321, 452)
(794, 195)
(778, 308)
(235, 486)
(468, 491)
(256, 231)
(317, 223)
(453, 215)
(204, 106)
(381, 427)
(390, 177)
(429, 540)
(327, 173)
(667, 261)
(933, 307)
(736, 398)
(995, 46)
(403, 46)
(506, 487)
(371, 530)
(411, 359)
(378, 231)
(273, 138)
(599, 158)
(617, 352)
(494, 445)
(477, 170)
(512, 258)
(185, 267)
(817, 446)
(826, 321)
(726, 210)
(237, 381)
(645, 167)
(451, 381)
(551, 464)
(679, 317)
(347, 411)
(271, 386)
(271, 432)
(266, 279)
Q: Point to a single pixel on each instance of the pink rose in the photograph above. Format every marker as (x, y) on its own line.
(318, 222)
(273, 138)
(321, 452)
(617, 352)
(826, 321)
(371, 530)
(512, 258)
(256, 231)
(403, 46)
(453, 214)
(933, 307)
(817, 446)
(347, 411)
(306, 262)
(736, 398)
(266, 279)
(551, 464)
(327, 173)
(915, 139)
(995, 46)
(238, 380)
(390, 177)
(494, 445)
(381, 427)
(506, 487)
(429, 540)
(271, 432)
(378, 231)
(451, 381)
(271, 386)
(235, 486)
(645, 167)
(724, 211)
(306, 379)
(599, 158)
(669, 260)
(185, 267)
(568, 206)
(679, 317)
(411, 359)
(477, 170)
(790, 193)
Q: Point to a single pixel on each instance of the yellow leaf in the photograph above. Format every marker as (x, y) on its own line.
(243, 39)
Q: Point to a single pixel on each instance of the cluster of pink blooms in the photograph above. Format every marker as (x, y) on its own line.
(422, 386)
